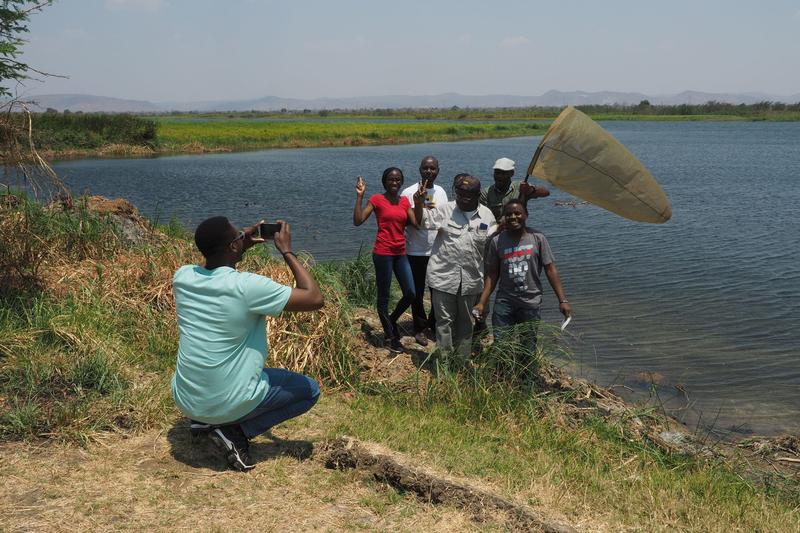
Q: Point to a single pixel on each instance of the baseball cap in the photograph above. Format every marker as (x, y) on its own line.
(504, 163)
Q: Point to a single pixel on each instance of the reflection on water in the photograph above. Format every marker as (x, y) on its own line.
(708, 301)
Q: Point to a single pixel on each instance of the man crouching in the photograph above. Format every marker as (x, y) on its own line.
(220, 381)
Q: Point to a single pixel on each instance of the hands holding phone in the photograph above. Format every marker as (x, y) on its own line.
(263, 231)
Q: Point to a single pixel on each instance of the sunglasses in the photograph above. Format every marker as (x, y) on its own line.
(467, 192)
(239, 237)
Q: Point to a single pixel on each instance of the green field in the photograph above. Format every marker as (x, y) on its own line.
(60, 135)
(181, 134)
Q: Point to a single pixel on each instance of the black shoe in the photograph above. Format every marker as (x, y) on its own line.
(393, 343)
(233, 443)
(197, 429)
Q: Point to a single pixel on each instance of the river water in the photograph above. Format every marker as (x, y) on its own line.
(706, 304)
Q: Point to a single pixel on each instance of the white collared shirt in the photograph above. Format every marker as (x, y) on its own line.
(458, 250)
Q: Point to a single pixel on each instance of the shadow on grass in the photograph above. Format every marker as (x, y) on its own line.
(199, 452)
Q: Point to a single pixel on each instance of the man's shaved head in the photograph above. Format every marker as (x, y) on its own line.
(213, 234)
(430, 159)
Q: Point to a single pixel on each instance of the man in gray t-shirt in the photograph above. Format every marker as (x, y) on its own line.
(513, 263)
(519, 262)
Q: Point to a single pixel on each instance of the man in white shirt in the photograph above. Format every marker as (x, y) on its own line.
(419, 243)
(455, 270)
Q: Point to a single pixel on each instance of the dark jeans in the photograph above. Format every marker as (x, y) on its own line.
(419, 267)
(510, 320)
(384, 266)
(289, 395)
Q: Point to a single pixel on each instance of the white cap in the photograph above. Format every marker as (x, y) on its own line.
(504, 163)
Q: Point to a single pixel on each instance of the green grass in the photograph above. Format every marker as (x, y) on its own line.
(244, 134)
(593, 469)
(62, 131)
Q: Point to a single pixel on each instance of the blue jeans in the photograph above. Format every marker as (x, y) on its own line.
(384, 266)
(289, 395)
(506, 319)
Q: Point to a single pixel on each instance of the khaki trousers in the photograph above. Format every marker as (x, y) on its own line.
(453, 321)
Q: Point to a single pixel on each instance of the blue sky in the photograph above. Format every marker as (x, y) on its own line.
(185, 50)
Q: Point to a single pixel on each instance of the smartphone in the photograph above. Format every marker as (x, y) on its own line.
(267, 230)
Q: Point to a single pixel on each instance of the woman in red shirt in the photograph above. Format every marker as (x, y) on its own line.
(392, 212)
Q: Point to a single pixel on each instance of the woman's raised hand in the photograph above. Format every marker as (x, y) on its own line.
(361, 187)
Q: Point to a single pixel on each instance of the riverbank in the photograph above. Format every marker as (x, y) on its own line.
(87, 339)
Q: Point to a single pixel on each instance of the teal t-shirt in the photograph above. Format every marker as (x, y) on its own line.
(223, 341)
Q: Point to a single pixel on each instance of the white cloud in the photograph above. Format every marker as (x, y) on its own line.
(464, 38)
(514, 42)
(150, 6)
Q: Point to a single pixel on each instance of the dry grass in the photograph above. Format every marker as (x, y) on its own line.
(162, 481)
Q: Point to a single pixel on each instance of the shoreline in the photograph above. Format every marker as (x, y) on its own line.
(204, 135)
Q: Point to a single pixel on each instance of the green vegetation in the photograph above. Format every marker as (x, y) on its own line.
(79, 131)
(87, 346)
(240, 134)
(14, 18)
(79, 134)
(643, 111)
(593, 469)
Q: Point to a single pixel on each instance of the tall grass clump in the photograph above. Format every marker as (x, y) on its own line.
(88, 335)
(32, 235)
(355, 278)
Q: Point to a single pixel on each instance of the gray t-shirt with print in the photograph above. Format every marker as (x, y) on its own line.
(520, 263)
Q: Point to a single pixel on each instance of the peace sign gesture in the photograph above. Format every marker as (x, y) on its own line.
(422, 191)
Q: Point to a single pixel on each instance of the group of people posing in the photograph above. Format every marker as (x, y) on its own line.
(457, 248)
(463, 250)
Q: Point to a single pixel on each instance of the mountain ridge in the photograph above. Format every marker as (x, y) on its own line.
(553, 98)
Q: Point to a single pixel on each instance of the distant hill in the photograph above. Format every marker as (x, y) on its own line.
(104, 104)
(90, 104)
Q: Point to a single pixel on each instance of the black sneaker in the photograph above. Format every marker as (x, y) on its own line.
(197, 429)
(232, 442)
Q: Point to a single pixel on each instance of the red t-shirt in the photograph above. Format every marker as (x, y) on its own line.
(392, 218)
